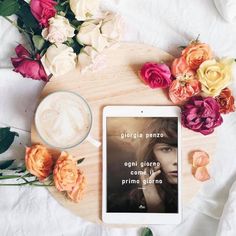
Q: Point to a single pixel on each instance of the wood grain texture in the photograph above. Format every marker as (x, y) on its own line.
(118, 84)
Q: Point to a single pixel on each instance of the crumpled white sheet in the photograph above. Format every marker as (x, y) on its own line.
(165, 24)
(227, 8)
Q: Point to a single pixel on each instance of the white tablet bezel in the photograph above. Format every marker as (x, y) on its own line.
(139, 218)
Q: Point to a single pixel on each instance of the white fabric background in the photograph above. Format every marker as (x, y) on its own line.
(165, 24)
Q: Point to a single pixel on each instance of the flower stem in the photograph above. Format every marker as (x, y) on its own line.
(10, 177)
(21, 184)
(42, 185)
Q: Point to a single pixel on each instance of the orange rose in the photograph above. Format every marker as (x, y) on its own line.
(179, 67)
(38, 161)
(226, 101)
(195, 54)
(78, 190)
(65, 172)
(181, 90)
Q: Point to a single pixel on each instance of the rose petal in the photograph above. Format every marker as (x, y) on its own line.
(200, 158)
(201, 174)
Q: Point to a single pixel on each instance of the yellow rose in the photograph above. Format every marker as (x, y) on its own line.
(215, 76)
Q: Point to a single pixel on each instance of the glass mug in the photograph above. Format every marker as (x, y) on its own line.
(63, 120)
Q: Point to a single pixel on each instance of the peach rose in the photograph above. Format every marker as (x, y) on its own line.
(226, 101)
(38, 161)
(181, 90)
(179, 67)
(77, 192)
(195, 54)
(65, 172)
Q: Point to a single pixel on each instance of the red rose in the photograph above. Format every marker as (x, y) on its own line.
(156, 75)
(43, 10)
(226, 101)
(27, 66)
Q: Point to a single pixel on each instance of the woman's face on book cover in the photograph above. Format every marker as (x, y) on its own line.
(167, 156)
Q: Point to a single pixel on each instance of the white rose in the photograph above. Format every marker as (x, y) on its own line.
(111, 27)
(59, 59)
(85, 9)
(59, 30)
(89, 34)
(90, 59)
(100, 33)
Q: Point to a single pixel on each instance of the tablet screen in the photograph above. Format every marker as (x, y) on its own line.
(142, 164)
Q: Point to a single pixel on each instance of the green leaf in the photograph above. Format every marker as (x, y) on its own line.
(146, 232)
(5, 164)
(60, 8)
(9, 7)
(76, 23)
(6, 138)
(182, 47)
(38, 41)
(80, 160)
(75, 45)
(26, 17)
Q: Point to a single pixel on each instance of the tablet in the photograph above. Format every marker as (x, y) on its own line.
(141, 165)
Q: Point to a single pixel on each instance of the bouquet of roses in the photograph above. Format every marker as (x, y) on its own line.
(42, 168)
(198, 82)
(59, 34)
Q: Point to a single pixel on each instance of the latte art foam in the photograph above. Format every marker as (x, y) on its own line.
(63, 119)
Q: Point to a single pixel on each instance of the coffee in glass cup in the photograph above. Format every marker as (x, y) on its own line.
(63, 119)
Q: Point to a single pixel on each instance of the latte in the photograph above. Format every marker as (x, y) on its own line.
(63, 119)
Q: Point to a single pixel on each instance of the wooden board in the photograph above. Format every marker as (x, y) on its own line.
(118, 84)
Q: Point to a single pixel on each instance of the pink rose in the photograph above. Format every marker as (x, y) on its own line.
(201, 114)
(180, 68)
(43, 10)
(181, 90)
(27, 66)
(156, 75)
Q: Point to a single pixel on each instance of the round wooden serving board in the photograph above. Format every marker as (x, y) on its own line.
(118, 84)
